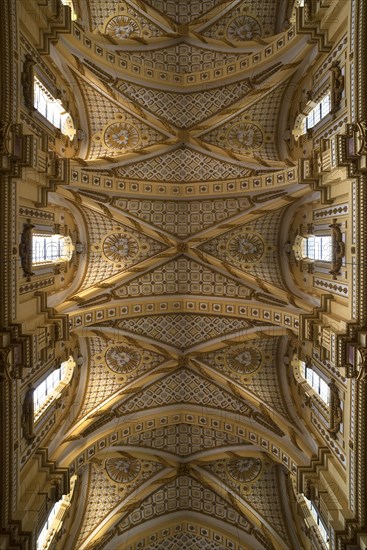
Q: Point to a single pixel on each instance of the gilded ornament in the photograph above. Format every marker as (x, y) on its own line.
(122, 359)
(244, 360)
(246, 248)
(123, 27)
(120, 247)
(243, 28)
(121, 135)
(123, 469)
(244, 469)
(245, 136)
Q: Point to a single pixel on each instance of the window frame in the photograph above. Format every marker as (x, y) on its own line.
(315, 380)
(320, 111)
(301, 248)
(55, 518)
(319, 522)
(53, 388)
(52, 109)
(317, 114)
(317, 248)
(65, 245)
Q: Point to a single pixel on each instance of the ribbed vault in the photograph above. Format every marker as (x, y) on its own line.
(183, 428)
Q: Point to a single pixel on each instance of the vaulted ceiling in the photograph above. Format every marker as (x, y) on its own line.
(184, 432)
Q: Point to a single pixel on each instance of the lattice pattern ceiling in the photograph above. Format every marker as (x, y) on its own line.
(184, 306)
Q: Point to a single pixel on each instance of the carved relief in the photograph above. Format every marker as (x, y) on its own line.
(244, 469)
(122, 27)
(119, 247)
(122, 359)
(122, 469)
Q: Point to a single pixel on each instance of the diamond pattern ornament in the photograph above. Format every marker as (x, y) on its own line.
(183, 276)
(111, 481)
(252, 131)
(183, 330)
(262, 491)
(252, 248)
(186, 541)
(188, 494)
(185, 387)
(111, 365)
(185, 110)
(183, 165)
(253, 366)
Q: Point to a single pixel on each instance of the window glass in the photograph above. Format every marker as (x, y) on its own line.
(48, 248)
(315, 381)
(46, 390)
(52, 109)
(55, 519)
(70, 4)
(317, 247)
(321, 109)
(319, 523)
(45, 533)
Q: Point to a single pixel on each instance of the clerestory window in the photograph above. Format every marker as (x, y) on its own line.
(55, 519)
(313, 247)
(71, 6)
(317, 247)
(318, 521)
(51, 248)
(52, 109)
(51, 387)
(315, 381)
(320, 111)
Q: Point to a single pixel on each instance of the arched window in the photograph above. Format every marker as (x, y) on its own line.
(51, 387)
(71, 6)
(55, 519)
(51, 248)
(318, 521)
(321, 109)
(313, 247)
(315, 381)
(52, 109)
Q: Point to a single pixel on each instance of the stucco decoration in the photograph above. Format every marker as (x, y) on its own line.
(122, 27)
(122, 469)
(244, 469)
(243, 27)
(122, 359)
(245, 360)
(119, 247)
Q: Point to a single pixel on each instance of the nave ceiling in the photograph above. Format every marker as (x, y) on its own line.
(183, 430)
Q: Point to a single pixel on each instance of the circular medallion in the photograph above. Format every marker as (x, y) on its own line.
(243, 28)
(121, 135)
(122, 469)
(244, 469)
(246, 248)
(244, 360)
(122, 27)
(120, 247)
(245, 136)
(122, 360)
